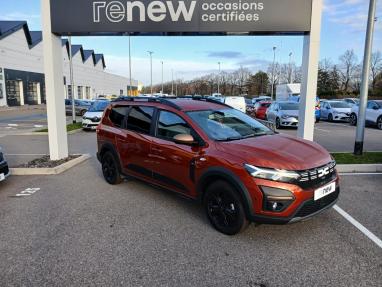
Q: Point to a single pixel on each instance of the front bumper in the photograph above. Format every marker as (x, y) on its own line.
(4, 169)
(89, 124)
(341, 117)
(289, 122)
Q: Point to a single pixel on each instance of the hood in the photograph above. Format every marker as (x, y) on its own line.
(342, 110)
(293, 113)
(93, 114)
(277, 151)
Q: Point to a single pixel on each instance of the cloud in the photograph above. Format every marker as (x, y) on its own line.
(225, 54)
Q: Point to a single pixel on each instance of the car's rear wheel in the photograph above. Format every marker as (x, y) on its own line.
(353, 119)
(224, 208)
(379, 123)
(278, 125)
(110, 169)
(330, 118)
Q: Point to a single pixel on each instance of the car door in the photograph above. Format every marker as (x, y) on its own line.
(325, 110)
(372, 112)
(174, 164)
(134, 140)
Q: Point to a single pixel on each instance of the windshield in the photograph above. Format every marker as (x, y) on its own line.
(379, 103)
(339, 105)
(228, 124)
(98, 106)
(289, 106)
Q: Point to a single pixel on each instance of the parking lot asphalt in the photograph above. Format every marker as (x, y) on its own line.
(77, 230)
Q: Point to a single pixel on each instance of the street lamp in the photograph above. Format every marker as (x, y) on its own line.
(219, 63)
(290, 68)
(162, 78)
(72, 81)
(360, 134)
(273, 71)
(172, 82)
(130, 74)
(151, 70)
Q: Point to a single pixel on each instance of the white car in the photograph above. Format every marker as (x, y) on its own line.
(335, 111)
(237, 103)
(93, 116)
(373, 114)
(4, 170)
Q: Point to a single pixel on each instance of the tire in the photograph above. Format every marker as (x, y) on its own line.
(110, 169)
(317, 120)
(82, 113)
(330, 118)
(353, 119)
(379, 123)
(278, 125)
(224, 208)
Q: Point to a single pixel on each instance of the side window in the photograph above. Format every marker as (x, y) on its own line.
(370, 105)
(117, 115)
(140, 119)
(170, 125)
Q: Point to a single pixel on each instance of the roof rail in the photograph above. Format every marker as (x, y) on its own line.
(163, 101)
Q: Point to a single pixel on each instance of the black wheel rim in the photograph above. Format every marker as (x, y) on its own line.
(109, 169)
(330, 118)
(379, 124)
(353, 120)
(223, 210)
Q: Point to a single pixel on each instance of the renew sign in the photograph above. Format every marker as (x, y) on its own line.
(188, 17)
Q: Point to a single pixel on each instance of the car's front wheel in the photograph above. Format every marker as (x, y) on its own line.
(353, 119)
(278, 124)
(379, 123)
(330, 118)
(110, 169)
(224, 208)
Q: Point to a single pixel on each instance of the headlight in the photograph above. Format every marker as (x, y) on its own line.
(272, 174)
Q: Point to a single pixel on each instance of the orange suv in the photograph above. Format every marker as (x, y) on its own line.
(202, 149)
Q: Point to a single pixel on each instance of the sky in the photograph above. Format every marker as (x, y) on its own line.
(343, 28)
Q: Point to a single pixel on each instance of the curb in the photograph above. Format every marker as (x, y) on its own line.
(50, 171)
(45, 134)
(354, 168)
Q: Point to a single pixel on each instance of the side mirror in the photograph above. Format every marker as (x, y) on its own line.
(184, 139)
(328, 108)
(376, 108)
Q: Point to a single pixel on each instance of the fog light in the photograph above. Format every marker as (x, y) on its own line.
(276, 199)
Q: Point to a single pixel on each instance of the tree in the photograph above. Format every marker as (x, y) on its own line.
(376, 68)
(348, 63)
(258, 84)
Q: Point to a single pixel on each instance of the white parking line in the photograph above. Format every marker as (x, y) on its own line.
(25, 154)
(13, 125)
(359, 226)
(326, 131)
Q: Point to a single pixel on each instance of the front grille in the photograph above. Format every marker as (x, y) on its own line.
(313, 206)
(317, 177)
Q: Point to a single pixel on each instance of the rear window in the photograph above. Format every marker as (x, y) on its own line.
(265, 105)
(140, 119)
(117, 115)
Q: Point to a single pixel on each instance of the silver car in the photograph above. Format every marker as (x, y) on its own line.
(283, 114)
(81, 106)
(335, 111)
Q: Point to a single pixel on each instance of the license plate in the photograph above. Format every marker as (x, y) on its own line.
(2, 176)
(324, 191)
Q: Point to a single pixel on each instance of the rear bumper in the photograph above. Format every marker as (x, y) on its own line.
(305, 211)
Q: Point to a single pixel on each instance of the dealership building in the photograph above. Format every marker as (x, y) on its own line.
(22, 69)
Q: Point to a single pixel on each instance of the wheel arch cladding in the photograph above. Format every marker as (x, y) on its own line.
(218, 173)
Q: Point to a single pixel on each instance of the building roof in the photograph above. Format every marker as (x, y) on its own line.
(35, 37)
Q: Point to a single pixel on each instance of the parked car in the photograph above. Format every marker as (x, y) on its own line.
(260, 99)
(352, 101)
(237, 103)
(80, 106)
(93, 116)
(317, 109)
(373, 114)
(4, 169)
(261, 109)
(250, 108)
(241, 170)
(283, 114)
(335, 111)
